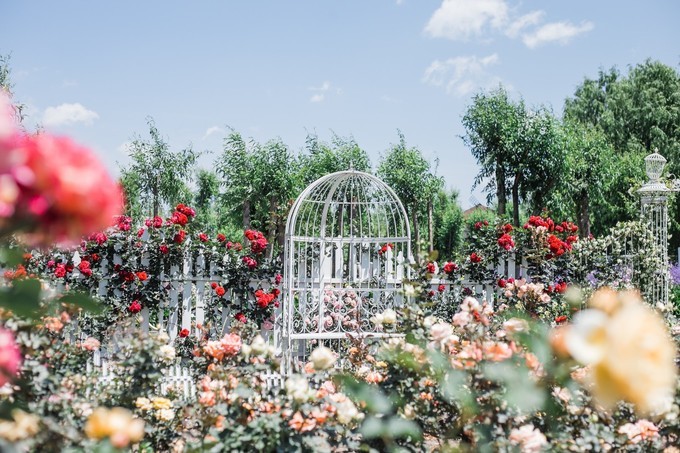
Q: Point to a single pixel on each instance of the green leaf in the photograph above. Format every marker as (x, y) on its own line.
(83, 301)
(12, 256)
(22, 298)
(398, 427)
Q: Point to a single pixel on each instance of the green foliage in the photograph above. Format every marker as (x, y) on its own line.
(448, 219)
(258, 181)
(414, 181)
(157, 178)
(637, 113)
(320, 158)
(517, 149)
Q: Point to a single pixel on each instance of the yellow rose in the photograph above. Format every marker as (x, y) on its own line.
(161, 403)
(630, 353)
(117, 424)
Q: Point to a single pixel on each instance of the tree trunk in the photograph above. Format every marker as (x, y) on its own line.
(246, 214)
(155, 201)
(416, 229)
(584, 214)
(430, 224)
(515, 199)
(500, 189)
(271, 227)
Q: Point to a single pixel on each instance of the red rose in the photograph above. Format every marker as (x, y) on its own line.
(179, 219)
(450, 267)
(278, 279)
(135, 307)
(241, 317)
(186, 210)
(506, 242)
(60, 271)
(560, 319)
(507, 228)
(441, 288)
(221, 238)
(431, 268)
(474, 258)
(502, 283)
(184, 333)
(141, 275)
(250, 262)
(203, 237)
(179, 237)
(157, 222)
(220, 291)
(84, 268)
(140, 232)
(213, 285)
(164, 249)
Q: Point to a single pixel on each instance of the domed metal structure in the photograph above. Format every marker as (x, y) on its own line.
(346, 253)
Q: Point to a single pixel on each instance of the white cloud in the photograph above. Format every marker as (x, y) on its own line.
(462, 75)
(321, 91)
(462, 19)
(522, 22)
(212, 130)
(561, 32)
(66, 114)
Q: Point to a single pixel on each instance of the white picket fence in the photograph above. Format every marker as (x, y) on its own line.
(187, 289)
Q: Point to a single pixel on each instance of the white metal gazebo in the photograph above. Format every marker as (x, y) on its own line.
(346, 253)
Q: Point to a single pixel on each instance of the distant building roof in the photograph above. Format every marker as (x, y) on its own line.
(475, 208)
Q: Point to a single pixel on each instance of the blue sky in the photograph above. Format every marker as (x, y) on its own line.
(96, 70)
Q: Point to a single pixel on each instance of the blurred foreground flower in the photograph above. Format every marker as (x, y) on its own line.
(50, 187)
(117, 424)
(630, 355)
(10, 356)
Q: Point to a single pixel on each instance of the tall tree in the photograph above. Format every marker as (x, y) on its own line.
(637, 113)
(516, 149)
(258, 182)
(407, 172)
(157, 177)
(7, 86)
(589, 167)
(488, 122)
(320, 158)
(448, 221)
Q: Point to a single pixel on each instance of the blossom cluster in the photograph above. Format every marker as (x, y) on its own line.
(50, 187)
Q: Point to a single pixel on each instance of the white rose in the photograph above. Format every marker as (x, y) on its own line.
(165, 415)
(297, 388)
(377, 319)
(258, 346)
(167, 353)
(322, 358)
(514, 325)
(389, 316)
(143, 403)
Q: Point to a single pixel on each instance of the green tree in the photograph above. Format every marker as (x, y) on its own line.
(7, 86)
(448, 221)
(206, 197)
(157, 178)
(407, 172)
(637, 113)
(516, 148)
(589, 166)
(320, 158)
(258, 182)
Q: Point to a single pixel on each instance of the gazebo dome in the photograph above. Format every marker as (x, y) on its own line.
(346, 254)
